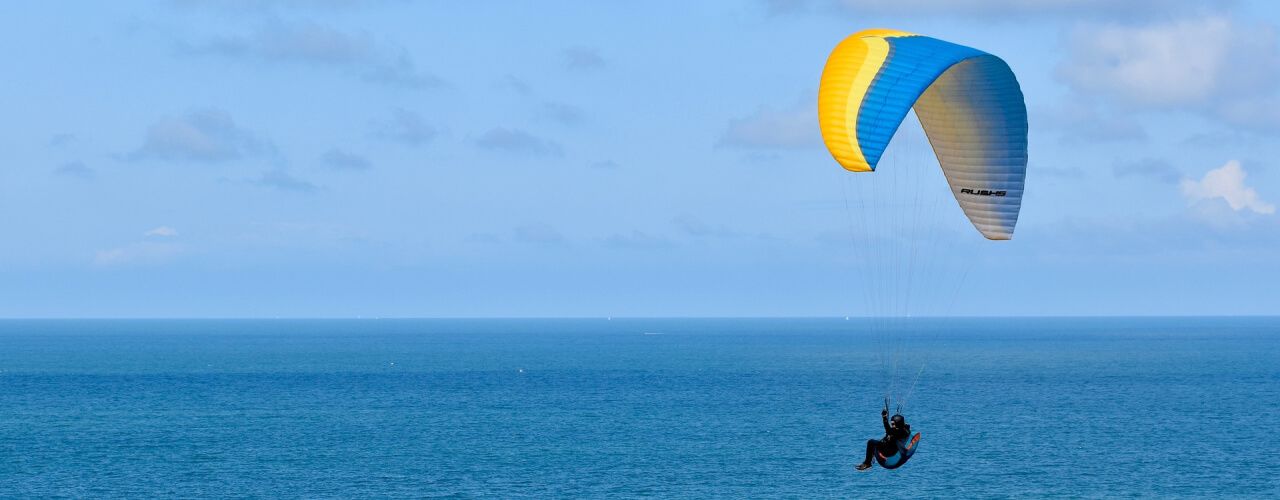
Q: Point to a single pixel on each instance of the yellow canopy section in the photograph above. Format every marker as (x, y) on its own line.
(847, 77)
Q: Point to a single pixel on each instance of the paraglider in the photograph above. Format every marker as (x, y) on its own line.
(971, 110)
(896, 447)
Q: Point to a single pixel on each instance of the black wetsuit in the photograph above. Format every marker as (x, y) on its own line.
(888, 445)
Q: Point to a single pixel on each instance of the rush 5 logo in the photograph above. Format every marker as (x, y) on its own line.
(981, 192)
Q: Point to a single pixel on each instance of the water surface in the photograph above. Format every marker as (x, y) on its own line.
(676, 408)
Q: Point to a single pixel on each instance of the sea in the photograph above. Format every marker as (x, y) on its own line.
(634, 408)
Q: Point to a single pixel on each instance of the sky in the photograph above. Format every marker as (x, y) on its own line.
(399, 158)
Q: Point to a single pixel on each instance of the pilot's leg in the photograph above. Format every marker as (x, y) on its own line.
(871, 448)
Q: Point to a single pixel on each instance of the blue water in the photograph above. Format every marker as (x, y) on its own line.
(715, 408)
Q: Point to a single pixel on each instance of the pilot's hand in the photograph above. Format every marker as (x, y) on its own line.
(884, 413)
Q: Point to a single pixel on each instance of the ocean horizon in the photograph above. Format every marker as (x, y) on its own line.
(1068, 407)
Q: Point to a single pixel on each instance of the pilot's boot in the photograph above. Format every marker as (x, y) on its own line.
(863, 466)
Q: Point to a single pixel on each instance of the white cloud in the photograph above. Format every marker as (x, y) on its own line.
(1212, 65)
(1227, 182)
(1154, 65)
(790, 128)
(311, 43)
(162, 231)
(206, 135)
(296, 43)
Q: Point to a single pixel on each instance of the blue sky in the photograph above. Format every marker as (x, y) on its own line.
(341, 158)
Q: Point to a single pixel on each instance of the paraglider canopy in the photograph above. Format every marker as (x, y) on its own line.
(968, 102)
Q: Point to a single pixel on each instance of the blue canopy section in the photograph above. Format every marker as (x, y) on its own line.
(913, 64)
